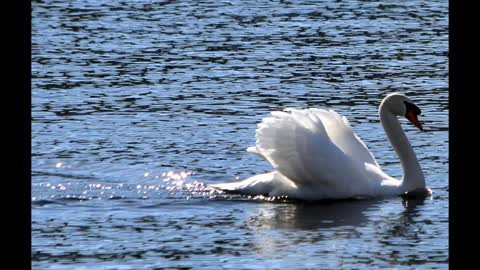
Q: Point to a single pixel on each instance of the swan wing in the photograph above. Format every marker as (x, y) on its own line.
(341, 133)
(313, 146)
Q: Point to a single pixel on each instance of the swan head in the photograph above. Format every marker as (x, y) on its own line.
(400, 105)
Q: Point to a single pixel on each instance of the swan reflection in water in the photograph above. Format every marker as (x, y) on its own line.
(327, 214)
(329, 223)
(314, 215)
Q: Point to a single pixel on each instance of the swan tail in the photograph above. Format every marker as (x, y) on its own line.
(267, 184)
(254, 150)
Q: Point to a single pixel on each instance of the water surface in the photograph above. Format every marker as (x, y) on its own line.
(137, 105)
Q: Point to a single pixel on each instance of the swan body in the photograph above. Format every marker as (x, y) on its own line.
(316, 155)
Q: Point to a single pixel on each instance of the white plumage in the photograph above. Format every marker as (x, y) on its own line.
(316, 155)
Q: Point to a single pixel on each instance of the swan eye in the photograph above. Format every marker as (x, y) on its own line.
(412, 107)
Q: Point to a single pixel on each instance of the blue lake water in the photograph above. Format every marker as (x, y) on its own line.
(137, 105)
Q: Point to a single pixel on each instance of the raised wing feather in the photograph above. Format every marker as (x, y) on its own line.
(312, 146)
(340, 132)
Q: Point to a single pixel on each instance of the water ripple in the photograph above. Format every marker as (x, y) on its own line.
(138, 105)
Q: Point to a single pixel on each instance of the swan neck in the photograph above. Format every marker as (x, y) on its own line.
(412, 172)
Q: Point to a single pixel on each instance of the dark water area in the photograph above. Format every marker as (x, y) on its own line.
(138, 105)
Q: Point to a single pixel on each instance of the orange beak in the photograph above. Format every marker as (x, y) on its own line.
(412, 117)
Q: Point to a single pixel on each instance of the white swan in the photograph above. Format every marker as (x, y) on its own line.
(316, 155)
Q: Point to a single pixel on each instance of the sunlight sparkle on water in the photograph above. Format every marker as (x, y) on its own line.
(177, 181)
